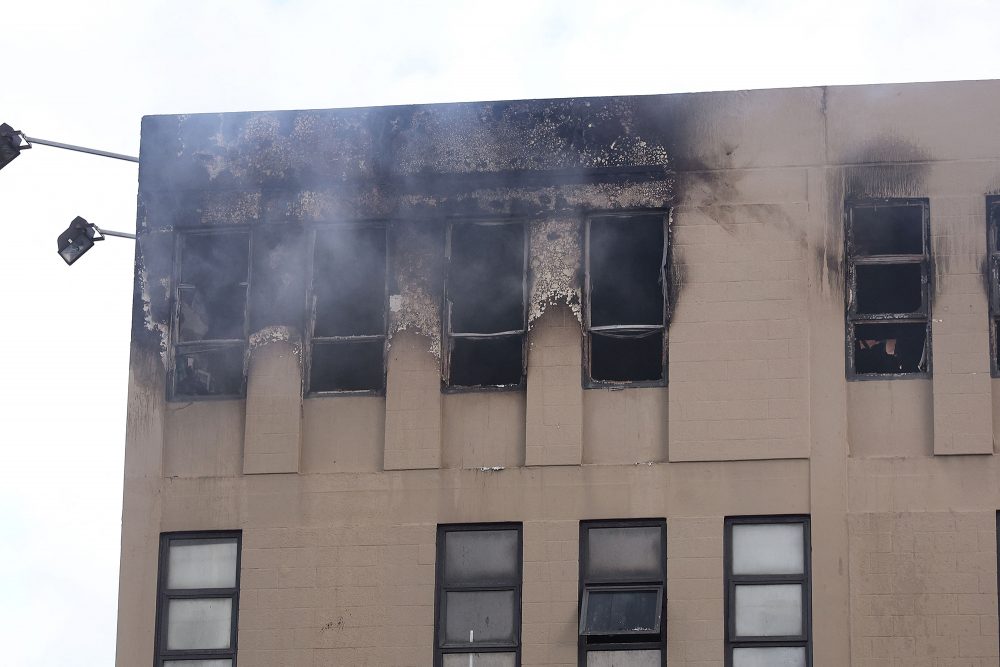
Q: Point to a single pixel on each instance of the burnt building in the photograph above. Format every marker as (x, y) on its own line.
(694, 380)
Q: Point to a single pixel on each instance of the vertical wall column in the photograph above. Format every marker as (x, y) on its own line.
(273, 438)
(412, 405)
(554, 411)
(960, 328)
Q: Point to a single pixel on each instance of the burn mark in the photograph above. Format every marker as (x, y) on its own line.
(555, 272)
(416, 276)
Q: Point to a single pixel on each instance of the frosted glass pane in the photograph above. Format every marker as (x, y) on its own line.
(198, 624)
(226, 662)
(769, 610)
(489, 615)
(624, 554)
(624, 659)
(480, 556)
(202, 564)
(773, 548)
(480, 660)
(776, 656)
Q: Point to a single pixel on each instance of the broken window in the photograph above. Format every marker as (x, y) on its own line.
(888, 264)
(767, 591)
(348, 309)
(993, 214)
(622, 592)
(210, 313)
(478, 619)
(626, 306)
(485, 297)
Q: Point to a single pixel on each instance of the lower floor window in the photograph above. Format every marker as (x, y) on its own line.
(767, 592)
(198, 599)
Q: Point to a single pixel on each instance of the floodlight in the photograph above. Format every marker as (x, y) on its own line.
(80, 237)
(10, 144)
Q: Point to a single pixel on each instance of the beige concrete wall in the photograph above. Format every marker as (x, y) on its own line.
(758, 419)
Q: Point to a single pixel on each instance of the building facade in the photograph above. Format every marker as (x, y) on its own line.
(698, 380)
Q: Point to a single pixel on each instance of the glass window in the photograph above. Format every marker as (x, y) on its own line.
(767, 591)
(479, 596)
(198, 599)
(622, 593)
(888, 273)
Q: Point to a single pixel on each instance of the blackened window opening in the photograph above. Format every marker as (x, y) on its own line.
(888, 309)
(993, 227)
(210, 313)
(626, 306)
(348, 309)
(485, 312)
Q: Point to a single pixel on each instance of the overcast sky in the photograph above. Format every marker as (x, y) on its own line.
(86, 72)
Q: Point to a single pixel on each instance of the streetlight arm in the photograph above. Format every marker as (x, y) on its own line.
(108, 232)
(81, 149)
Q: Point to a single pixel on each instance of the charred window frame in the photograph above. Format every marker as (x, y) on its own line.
(486, 297)
(478, 565)
(200, 589)
(888, 289)
(625, 299)
(623, 602)
(209, 314)
(756, 631)
(993, 251)
(347, 309)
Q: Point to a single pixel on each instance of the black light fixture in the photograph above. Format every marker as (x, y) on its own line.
(12, 143)
(80, 237)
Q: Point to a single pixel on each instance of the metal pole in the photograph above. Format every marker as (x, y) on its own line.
(108, 232)
(81, 149)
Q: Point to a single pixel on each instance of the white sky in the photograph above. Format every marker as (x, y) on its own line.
(86, 72)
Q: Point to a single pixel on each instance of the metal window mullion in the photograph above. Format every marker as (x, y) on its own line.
(489, 336)
(361, 338)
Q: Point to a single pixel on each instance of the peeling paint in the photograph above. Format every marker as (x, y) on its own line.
(415, 306)
(274, 334)
(556, 253)
(149, 322)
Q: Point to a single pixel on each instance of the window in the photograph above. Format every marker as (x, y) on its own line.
(888, 311)
(485, 313)
(478, 601)
(623, 567)
(348, 310)
(626, 307)
(212, 278)
(767, 592)
(198, 596)
(993, 245)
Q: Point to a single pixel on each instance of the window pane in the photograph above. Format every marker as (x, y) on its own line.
(491, 362)
(202, 564)
(890, 348)
(644, 658)
(482, 557)
(214, 372)
(774, 548)
(349, 282)
(348, 366)
(625, 357)
(624, 554)
(775, 656)
(887, 230)
(480, 659)
(485, 278)
(487, 615)
(769, 610)
(199, 624)
(626, 256)
(212, 313)
(225, 662)
(618, 612)
(215, 259)
(889, 288)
